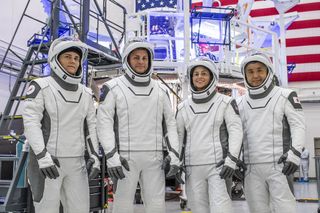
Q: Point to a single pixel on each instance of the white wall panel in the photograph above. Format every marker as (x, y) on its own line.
(312, 115)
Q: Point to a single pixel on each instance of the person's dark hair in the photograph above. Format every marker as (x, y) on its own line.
(72, 49)
(254, 62)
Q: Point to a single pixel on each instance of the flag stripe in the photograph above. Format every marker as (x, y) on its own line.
(264, 12)
(259, 4)
(300, 33)
(313, 15)
(226, 2)
(298, 59)
(308, 15)
(196, 4)
(292, 42)
(305, 24)
(303, 50)
(273, 11)
(307, 67)
(306, 76)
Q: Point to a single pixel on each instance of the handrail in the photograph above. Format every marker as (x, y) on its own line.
(108, 29)
(14, 34)
(124, 18)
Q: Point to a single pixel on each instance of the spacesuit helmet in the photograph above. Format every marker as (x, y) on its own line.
(60, 46)
(132, 45)
(209, 91)
(268, 81)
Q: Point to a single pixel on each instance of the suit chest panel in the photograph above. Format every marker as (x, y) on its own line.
(264, 115)
(139, 106)
(65, 106)
(210, 113)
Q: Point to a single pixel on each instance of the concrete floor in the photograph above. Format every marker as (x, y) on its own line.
(238, 206)
(303, 191)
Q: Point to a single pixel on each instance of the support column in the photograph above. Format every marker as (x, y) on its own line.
(55, 19)
(84, 20)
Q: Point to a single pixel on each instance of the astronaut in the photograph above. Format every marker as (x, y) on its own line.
(56, 111)
(134, 112)
(274, 133)
(210, 134)
(304, 164)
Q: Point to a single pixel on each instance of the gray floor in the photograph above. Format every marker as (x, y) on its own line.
(303, 191)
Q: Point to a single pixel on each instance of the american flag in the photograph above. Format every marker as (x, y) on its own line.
(302, 36)
(150, 4)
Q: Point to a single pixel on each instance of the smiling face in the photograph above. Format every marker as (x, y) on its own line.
(70, 61)
(255, 73)
(200, 78)
(139, 60)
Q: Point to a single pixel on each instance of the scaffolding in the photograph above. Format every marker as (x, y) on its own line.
(14, 194)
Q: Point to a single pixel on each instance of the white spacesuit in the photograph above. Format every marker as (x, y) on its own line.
(210, 133)
(304, 164)
(56, 110)
(274, 133)
(133, 111)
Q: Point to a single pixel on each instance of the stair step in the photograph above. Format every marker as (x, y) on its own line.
(18, 98)
(9, 158)
(40, 61)
(8, 117)
(30, 78)
(9, 137)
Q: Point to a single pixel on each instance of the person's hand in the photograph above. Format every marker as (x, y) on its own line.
(226, 171)
(242, 166)
(166, 162)
(289, 166)
(47, 166)
(117, 171)
(240, 170)
(176, 171)
(93, 167)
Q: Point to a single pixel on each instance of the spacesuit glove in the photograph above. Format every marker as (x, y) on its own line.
(289, 168)
(226, 172)
(93, 167)
(166, 162)
(228, 168)
(116, 172)
(47, 166)
(290, 161)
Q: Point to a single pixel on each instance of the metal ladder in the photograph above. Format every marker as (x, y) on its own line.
(17, 94)
(18, 198)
